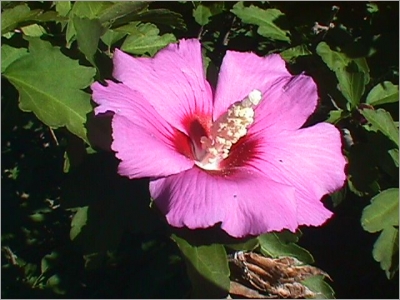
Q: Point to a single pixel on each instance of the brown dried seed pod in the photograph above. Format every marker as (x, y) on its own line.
(241, 290)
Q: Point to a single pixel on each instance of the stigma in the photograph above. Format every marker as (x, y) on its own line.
(227, 130)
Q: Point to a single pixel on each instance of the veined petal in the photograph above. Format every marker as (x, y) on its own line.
(142, 139)
(245, 203)
(173, 81)
(142, 154)
(287, 104)
(243, 72)
(308, 159)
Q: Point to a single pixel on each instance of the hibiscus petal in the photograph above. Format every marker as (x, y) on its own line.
(287, 104)
(308, 159)
(142, 154)
(173, 81)
(142, 139)
(246, 203)
(243, 72)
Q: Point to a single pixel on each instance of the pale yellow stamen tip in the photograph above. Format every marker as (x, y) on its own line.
(227, 130)
(253, 99)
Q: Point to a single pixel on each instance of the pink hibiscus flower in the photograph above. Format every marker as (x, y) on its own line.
(238, 157)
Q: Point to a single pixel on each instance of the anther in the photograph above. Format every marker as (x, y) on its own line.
(227, 130)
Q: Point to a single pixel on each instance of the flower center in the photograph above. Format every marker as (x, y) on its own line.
(226, 131)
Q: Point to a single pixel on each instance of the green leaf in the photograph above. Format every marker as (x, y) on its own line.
(146, 40)
(49, 261)
(283, 244)
(318, 285)
(248, 245)
(394, 154)
(338, 196)
(202, 14)
(90, 9)
(120, 9)
(33, 30)
(207, 267)
(159, 16)
(112, 36)
(352, 75)
(372, 8)
(265, 19)
(362, 66)
(11, 18)
(335, 116)
(351, 83)
(84, 10)
(333, 59)
(63, 7)
(384, 92)
(294, 52)
(50, 84)
(382, 120)
(88, 34)
(386, 250)
(383, 211)
(78, 222)
(56, 285)
(10, 54)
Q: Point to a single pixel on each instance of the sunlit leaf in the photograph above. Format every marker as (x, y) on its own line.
(207, 267)
(265, 19)
(386, 250)
(33, 30)
(292, 53)
(147, 40)
(10, 54)
(283, 244)
(394, 153)
(318, 285)
(383, 211)
(63, 7)
(335, 116)
(50, 85)
(384, 92)
(88, 34)
(382, 120)
(333, 59)
(202, 14)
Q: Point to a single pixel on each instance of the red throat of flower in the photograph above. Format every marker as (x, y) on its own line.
(212, 144)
